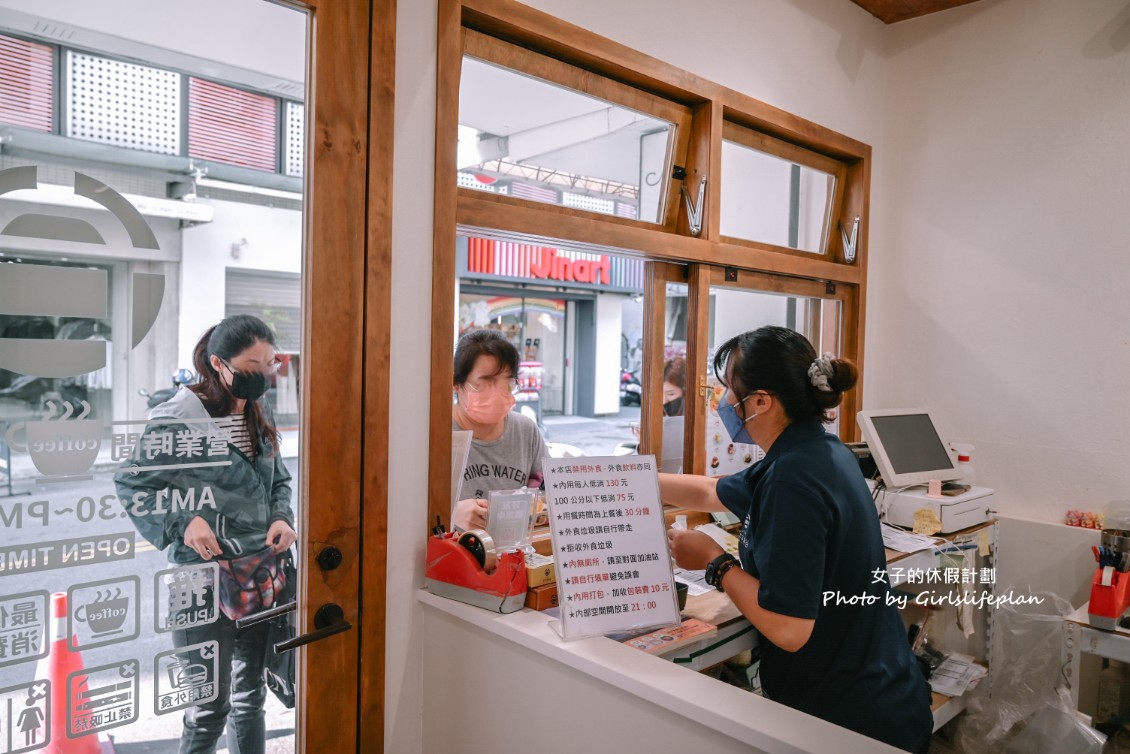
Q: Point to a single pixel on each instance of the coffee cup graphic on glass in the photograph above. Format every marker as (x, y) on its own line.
(105, 614)
(60, 447)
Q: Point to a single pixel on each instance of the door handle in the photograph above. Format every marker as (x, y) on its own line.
(263, 615)
(329, 620)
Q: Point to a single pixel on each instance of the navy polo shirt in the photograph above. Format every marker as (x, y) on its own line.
(811, 534)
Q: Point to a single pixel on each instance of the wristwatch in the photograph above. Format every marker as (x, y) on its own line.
(717, 569)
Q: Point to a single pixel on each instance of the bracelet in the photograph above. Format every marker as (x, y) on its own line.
(718, 568)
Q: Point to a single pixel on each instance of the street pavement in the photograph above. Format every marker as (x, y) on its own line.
(593, 436)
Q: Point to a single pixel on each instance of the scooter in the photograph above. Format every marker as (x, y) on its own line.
(631, 390)
(180, 377)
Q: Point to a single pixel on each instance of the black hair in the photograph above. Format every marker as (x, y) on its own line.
(478, 343)
(776, 360)
(231, 337)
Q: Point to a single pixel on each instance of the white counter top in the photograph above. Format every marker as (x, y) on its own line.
(686, 698)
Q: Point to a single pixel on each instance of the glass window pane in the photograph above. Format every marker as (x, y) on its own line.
(674, 378)
(735, 311)
(772, 200)
(576, 321)
(111, 273)
(526, 137)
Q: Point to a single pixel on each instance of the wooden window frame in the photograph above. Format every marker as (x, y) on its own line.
(761, 142)
(714, 110)
(555, 72)
(347, 294)
(700, 279)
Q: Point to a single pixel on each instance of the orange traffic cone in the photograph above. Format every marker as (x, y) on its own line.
(56, 667)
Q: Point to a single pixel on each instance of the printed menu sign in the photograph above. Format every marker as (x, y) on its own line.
(609, 544)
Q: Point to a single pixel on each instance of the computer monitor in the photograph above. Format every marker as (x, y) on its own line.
(907, 448)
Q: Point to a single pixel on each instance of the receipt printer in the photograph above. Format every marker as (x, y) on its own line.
(955, 512)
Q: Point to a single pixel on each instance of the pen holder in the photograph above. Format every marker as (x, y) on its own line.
(1115, 540)
(1110, 596)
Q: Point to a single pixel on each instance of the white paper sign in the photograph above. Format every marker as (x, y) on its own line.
(609, 545)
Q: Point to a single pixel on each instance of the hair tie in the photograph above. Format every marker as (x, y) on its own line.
(819, 372)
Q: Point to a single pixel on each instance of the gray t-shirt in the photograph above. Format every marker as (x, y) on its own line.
(513, 460)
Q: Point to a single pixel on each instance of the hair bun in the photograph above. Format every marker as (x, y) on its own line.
(844, 375)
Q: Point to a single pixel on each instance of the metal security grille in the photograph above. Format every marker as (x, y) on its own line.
(626, 210)
(295, 138)
(123, 104)
(26, 84)
(274, 298)
(232, 126)
(533, 193)
(590, 203)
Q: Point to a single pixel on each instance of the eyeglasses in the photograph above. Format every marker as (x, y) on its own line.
(272, 367)
(498, 383)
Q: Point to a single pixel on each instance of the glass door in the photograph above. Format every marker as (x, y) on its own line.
(165, 335)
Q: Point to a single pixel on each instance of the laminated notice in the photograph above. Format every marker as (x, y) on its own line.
(609, 545)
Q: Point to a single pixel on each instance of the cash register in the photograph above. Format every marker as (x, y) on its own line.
(910, 454)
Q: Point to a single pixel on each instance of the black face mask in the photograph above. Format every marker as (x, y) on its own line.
(250, 386)
(673, 408)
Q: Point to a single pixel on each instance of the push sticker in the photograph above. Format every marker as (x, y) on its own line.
(183, 599)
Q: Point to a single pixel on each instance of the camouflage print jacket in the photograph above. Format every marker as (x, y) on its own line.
(237, 496)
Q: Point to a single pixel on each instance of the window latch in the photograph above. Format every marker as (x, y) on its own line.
(694, 209)
(850, 241)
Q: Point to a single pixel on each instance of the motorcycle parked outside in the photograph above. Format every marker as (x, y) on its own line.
(180, 377)
(631, 389)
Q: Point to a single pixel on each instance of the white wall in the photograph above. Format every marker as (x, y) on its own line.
(606, 374)
(412, 191)
(996, 277)
(981, 193)
(735, 312)
(273, 243)
(820, 60)
(817, 59)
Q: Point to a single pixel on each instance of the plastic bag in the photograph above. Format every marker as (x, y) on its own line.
(1053, 728)
(1116, 514)
(278, 669)
(1026, 712)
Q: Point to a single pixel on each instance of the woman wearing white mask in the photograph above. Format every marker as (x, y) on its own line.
(506, 447)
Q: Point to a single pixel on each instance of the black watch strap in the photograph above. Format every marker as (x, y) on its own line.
(717, 568)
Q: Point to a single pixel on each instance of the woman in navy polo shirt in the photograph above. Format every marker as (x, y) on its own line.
(812, 575)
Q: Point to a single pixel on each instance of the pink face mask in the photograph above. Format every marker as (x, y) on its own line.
(489, 407)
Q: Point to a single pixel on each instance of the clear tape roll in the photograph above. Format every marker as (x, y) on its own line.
(481, 545)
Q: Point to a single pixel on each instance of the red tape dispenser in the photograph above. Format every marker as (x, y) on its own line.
(1110, 586)
(464, 566)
